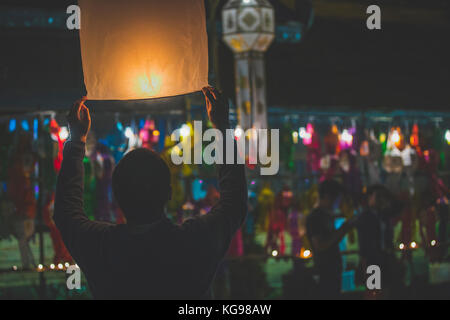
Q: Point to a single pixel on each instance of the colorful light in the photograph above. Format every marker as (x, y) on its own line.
(413, 245)
(35, 128)
(414, 139)
(295, 137)
(433, 243)
(274, 253)
(12, 125)
(447, 136)
(129, 132)
(334, 129)
(185, 130)
(383, 137)
(307, 134)
(25, 125)
(64, 133)
(238, 132)
(346, 138)
(364, 150)
(302, 132)
(401, 246)
(395, 137)
(306, 254)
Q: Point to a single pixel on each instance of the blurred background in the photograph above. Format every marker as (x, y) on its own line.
(362, 106)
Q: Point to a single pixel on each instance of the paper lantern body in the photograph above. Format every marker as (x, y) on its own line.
(141, 49)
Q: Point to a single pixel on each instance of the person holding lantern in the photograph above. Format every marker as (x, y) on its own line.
(149, 257)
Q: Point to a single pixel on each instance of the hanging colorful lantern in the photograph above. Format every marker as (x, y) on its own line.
(249, 25)
(12, 125)
(414, 139)
(249, 29)
(331, 141)
(396, 139)
(364, 149)
(149, 135)
(138, 49)
(307, 134)
(346, 139)
(55, 133)
(295, 137)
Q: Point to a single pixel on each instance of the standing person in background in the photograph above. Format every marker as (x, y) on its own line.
(324, 238)
(21, 193)
(376, 234)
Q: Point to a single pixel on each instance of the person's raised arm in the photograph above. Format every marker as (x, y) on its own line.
(225, 218)
(322, 243)
(78, 232)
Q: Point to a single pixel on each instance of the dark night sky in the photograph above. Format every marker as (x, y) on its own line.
(339, 63)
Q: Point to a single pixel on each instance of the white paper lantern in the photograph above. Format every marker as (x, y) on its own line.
(140, 49)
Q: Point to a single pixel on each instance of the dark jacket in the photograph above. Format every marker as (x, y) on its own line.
(161, 260)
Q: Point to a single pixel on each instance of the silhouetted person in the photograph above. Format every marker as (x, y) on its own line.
(149, 257)
(324, 238)
(375, 228)
(376, 235)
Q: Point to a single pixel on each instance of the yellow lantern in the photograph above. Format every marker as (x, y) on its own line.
(141, 49)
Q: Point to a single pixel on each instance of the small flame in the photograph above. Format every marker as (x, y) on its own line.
(149, 87)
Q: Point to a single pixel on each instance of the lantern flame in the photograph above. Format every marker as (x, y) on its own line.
(150, 87)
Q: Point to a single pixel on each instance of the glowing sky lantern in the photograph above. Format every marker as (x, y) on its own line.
(140, 49)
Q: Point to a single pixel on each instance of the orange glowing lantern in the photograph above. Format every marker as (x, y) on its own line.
(141, 49)
(396, 139)
(414, 139)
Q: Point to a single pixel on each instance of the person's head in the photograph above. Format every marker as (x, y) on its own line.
(141, 185)
(330, 191)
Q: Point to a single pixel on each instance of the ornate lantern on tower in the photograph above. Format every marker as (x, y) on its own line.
(249, 29)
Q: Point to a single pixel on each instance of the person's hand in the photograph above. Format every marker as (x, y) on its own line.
(79, 121)
(217, 108)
